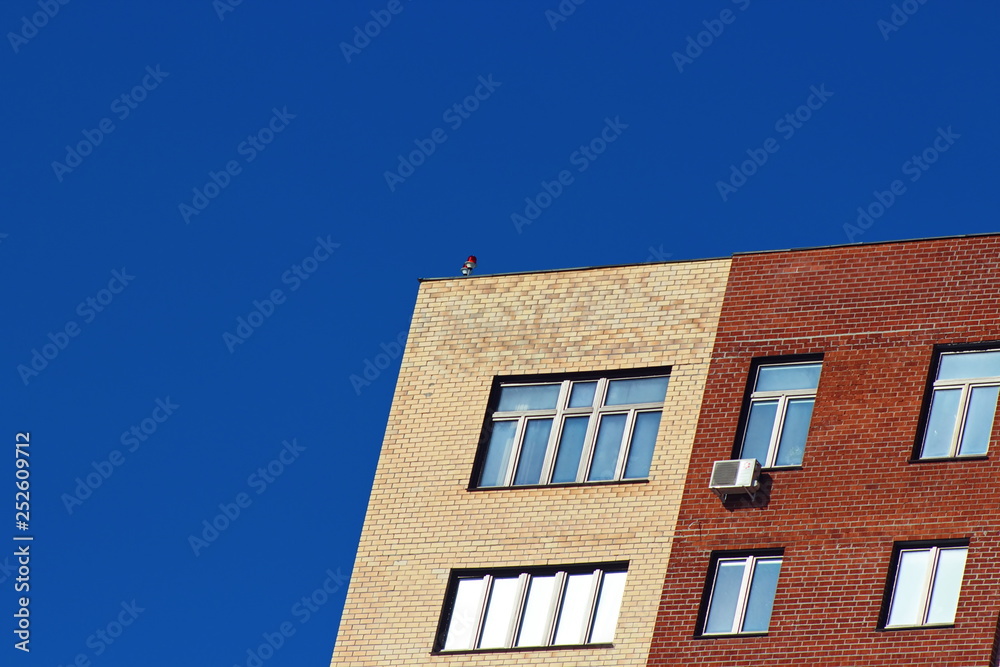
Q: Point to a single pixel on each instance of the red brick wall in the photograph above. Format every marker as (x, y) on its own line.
(875, 312)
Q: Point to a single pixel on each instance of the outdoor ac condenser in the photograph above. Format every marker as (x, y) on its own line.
(735, 476)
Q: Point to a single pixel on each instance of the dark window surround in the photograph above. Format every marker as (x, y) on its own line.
(710, 582)
(452, 588)
(755, 363)
(925, 404)
(487, 428)
(890, 578)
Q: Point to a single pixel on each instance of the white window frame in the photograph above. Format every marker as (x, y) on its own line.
(597, 411)
(928, 584)
(966, 385)
(783, 396)
(554, 610)
(750, 564)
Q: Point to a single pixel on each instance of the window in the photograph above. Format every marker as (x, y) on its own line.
(777, 421)
(587, 430)
(741, 593)
(963, 401)
(925, 583)
(567, 606)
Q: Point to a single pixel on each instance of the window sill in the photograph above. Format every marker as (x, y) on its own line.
(951, 459)
(644, 480)
(935, 626)
(729, 635)
(524, 649)
(782, 468)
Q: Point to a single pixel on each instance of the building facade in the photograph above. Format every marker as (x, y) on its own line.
(542, 495)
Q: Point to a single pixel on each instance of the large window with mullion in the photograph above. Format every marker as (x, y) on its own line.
(962, 404)
(572, 431)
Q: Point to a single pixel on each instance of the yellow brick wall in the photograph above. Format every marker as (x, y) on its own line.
(422, 522)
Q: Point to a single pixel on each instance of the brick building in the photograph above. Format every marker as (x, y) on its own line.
(542, 495)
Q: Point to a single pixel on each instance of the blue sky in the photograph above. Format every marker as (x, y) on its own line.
(215, 214)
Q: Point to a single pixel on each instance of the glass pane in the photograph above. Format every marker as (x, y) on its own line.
(794, 376)
(979, 421)
(907, 605)
(725, 594)
(761, 599)
(947, 584)
(941, 423)
(647, 425)
(534, 621)
(792, 445)
(465, 615)
(536, 439)
(498, 454)
(759, 428)
(609, 441)
(570, 447)
(609, 603)
(645, 390)
(582, 394)
(534, 397)
(499, 612)
(959, 365)
(573, 614)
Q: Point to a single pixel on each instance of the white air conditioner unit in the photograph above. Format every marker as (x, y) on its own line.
(735, 476)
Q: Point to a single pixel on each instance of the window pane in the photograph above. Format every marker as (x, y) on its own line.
(979, 421)
(798, 412)
(573, 614)
(465, 615)
(645, 390)
(761, 599)
(647, 424)
(725, 594)
(795, 376)
(908, 592)
(499, 612)
(759, 427)
(534, 621)
(609, 603)
(956, 366)
(941, 423)
(534, 397)
(536, 439)
(609, 440)
(498, 455)
(570, 447)
(582, 394)
(947, 584)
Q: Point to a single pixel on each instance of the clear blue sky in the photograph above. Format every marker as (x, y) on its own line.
(210, 154)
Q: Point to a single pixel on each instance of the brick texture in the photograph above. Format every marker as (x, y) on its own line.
(875, 312)
(422, 521)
